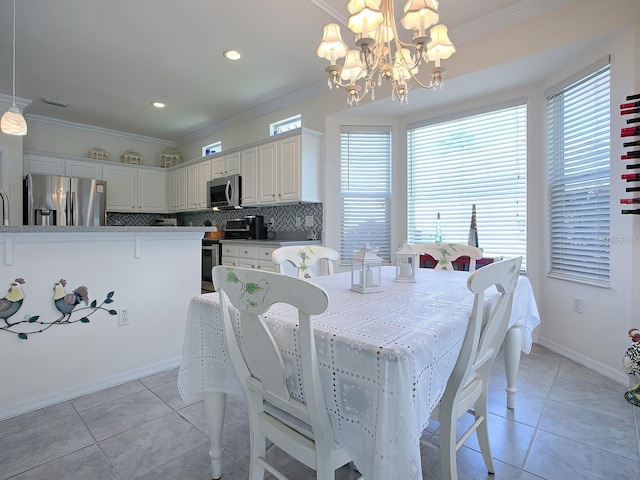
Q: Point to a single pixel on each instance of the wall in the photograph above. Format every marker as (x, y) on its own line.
(70, 360)
(77, 140)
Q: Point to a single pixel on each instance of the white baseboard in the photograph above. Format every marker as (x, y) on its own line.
(617, 376)
(80, 390)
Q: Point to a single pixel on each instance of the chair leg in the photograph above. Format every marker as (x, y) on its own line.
(448, 448)
(483, 432)
(257, 450)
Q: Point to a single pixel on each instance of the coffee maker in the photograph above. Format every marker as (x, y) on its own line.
(256, 227)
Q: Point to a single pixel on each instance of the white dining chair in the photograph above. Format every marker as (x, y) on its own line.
(301, 429)
(445, 253)
(304, 257)
(466, 390)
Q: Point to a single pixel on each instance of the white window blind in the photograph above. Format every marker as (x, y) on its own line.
(365, 187)
(578, 154)
(476, 160)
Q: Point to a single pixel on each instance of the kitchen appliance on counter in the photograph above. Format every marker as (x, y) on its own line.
(246, 228)
(224, 193)
(69, 201)
(165, 222)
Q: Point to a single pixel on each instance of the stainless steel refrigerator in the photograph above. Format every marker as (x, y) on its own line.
(71, 201)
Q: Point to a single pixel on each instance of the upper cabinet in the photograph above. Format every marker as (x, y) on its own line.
(225, 165)
(249, 172)
(135, 189)
(286, 171)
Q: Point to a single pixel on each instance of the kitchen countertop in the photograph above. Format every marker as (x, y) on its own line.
(275, 241)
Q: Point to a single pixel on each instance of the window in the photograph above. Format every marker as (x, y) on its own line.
(211, 149)
(365, 189)
(578, 138)
(285, 125)
(478, 160)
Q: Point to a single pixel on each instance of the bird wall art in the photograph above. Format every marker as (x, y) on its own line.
(73, 307)
(12, 301)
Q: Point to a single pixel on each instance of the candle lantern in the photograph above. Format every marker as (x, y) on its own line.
(406, 264)
(366, 269)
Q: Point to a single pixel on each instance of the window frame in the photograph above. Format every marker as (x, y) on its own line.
(570, 256)
(378, 200)
(436, 145)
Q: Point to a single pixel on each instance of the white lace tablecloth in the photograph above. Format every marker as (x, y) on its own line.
(384, 358)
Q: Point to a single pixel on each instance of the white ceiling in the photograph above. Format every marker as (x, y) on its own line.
(110, 59)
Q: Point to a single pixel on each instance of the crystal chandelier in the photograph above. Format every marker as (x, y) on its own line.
(380, 53)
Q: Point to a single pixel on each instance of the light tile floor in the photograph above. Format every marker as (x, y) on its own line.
(569, 423)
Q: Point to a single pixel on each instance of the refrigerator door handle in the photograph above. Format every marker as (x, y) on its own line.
(70, 206)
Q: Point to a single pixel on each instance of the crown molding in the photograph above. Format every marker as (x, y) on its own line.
(503, 18)
(22, 103)
(295, 97)
(92, 129)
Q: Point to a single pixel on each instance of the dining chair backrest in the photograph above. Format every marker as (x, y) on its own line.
(304, 257)
(467, 385)
(259, 365)
(445, 253)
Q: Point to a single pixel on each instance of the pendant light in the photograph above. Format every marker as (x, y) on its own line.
(12, 122)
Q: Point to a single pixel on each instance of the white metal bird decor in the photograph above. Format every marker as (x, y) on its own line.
(631, 364)
(68, 304)
(12, 301)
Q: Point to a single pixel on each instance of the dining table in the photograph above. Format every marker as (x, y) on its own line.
(384, 360)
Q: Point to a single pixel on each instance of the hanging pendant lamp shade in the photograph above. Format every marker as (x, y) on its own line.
(12, 122)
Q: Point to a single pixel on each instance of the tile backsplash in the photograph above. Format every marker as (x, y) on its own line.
(284, 217)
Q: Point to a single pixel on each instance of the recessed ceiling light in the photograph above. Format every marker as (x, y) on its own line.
(232, 55)
(158, 104)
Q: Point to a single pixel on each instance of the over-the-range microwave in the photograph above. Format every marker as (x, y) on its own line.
(224, 193)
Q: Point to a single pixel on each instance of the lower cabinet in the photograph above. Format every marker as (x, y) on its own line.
(249, 255)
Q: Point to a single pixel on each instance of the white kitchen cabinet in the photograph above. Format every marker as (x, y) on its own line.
(232, 163)
(181, 189)
(74, 168)
(122, 188)
(268, 173)
(225, 165)
(281, 171)
(249, 172)
(152, 188)
(43, 165)
(135, 190)
(192, 187)
(172, 190)
(204, 175)
(249, 255)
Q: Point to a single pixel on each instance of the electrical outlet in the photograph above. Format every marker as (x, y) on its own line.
(577, 304)
(297, 221)
(123, 318)
(272, 222)
(308, 220)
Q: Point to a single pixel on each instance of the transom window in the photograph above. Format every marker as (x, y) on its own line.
(211, 149)
(285, 125)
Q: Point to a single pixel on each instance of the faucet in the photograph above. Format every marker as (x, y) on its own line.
(5, 208)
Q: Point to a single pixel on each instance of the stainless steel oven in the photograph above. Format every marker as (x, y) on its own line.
(211, 256)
